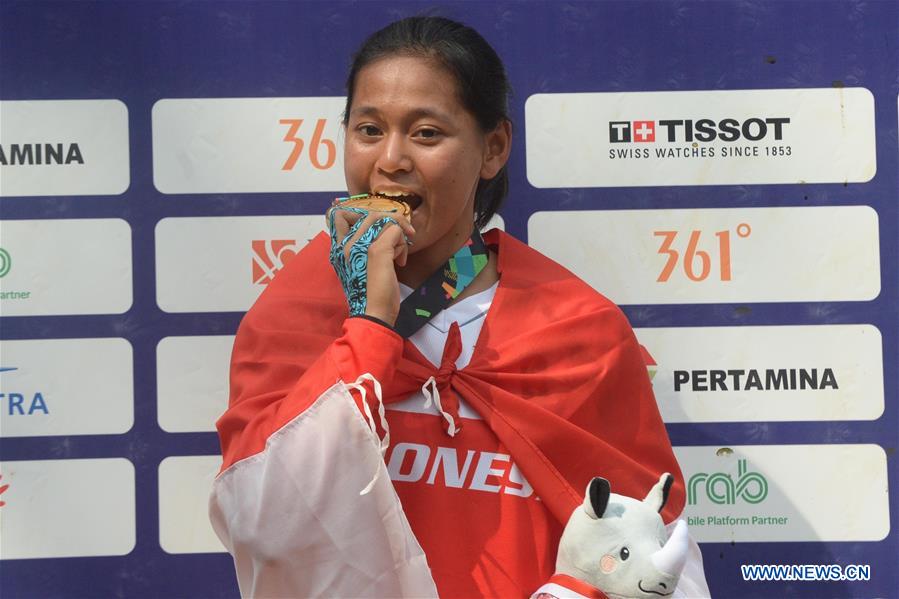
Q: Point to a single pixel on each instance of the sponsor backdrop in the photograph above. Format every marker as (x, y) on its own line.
(725, 171)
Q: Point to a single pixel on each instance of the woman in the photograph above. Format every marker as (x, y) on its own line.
(504, 396)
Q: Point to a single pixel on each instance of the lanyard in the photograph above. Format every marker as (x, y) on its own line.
(443, 286)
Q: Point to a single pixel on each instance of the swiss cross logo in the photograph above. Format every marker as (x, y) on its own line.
(270, 256)
(644, 131)
(628, 131)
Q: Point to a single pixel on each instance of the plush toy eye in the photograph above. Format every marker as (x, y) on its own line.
(624, 553)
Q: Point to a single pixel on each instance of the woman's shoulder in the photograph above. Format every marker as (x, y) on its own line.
(304, 292)
(538, 293)
(528, 269)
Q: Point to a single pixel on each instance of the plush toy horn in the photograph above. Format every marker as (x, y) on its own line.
(671, 558)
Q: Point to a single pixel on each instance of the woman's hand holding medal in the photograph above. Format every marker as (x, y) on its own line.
(364, 249)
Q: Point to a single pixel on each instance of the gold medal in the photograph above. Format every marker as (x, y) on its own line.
(377, 203)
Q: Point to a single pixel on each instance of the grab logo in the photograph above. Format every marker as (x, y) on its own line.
(5, 262)
(270, 256)
(721, 488)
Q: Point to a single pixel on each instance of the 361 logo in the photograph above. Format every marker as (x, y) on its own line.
(5, 262)
(720, 488)
(270, 256)
(318, 142)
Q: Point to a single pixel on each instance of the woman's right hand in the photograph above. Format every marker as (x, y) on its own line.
(365, 256)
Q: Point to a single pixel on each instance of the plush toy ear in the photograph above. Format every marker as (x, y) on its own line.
(658, 494)
(597, 497)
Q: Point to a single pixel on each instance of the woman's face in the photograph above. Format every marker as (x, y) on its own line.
(408, 134)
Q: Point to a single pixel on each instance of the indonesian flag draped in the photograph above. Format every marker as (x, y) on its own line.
(556, 374)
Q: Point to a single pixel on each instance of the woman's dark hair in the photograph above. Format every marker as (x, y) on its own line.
(478, 71)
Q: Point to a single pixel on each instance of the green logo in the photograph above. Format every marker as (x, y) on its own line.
(720, 488)
(5, 262)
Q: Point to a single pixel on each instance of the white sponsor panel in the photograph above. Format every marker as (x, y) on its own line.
(63, 148)
(184, 486)
(802, 254)
(74, 266)
(628, 139)
(67, 508)
(222, 264)
(762, 493)
(66, 387)
(252, 145)
(767, 373)
(192, 382)
(495, 222)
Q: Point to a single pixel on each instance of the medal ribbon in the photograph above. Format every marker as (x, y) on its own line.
(443, 286)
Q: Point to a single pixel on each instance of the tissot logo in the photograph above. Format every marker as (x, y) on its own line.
(639, 131)
(700, 137)
(270, 256)
(704, 130)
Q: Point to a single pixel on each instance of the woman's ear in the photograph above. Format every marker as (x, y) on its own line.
(497, 146)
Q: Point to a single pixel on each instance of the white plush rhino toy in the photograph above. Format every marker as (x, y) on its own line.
(618, 545)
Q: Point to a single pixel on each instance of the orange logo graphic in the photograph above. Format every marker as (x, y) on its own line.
(270, 256)
(651, 365)
(318, 142)
(692, 254)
